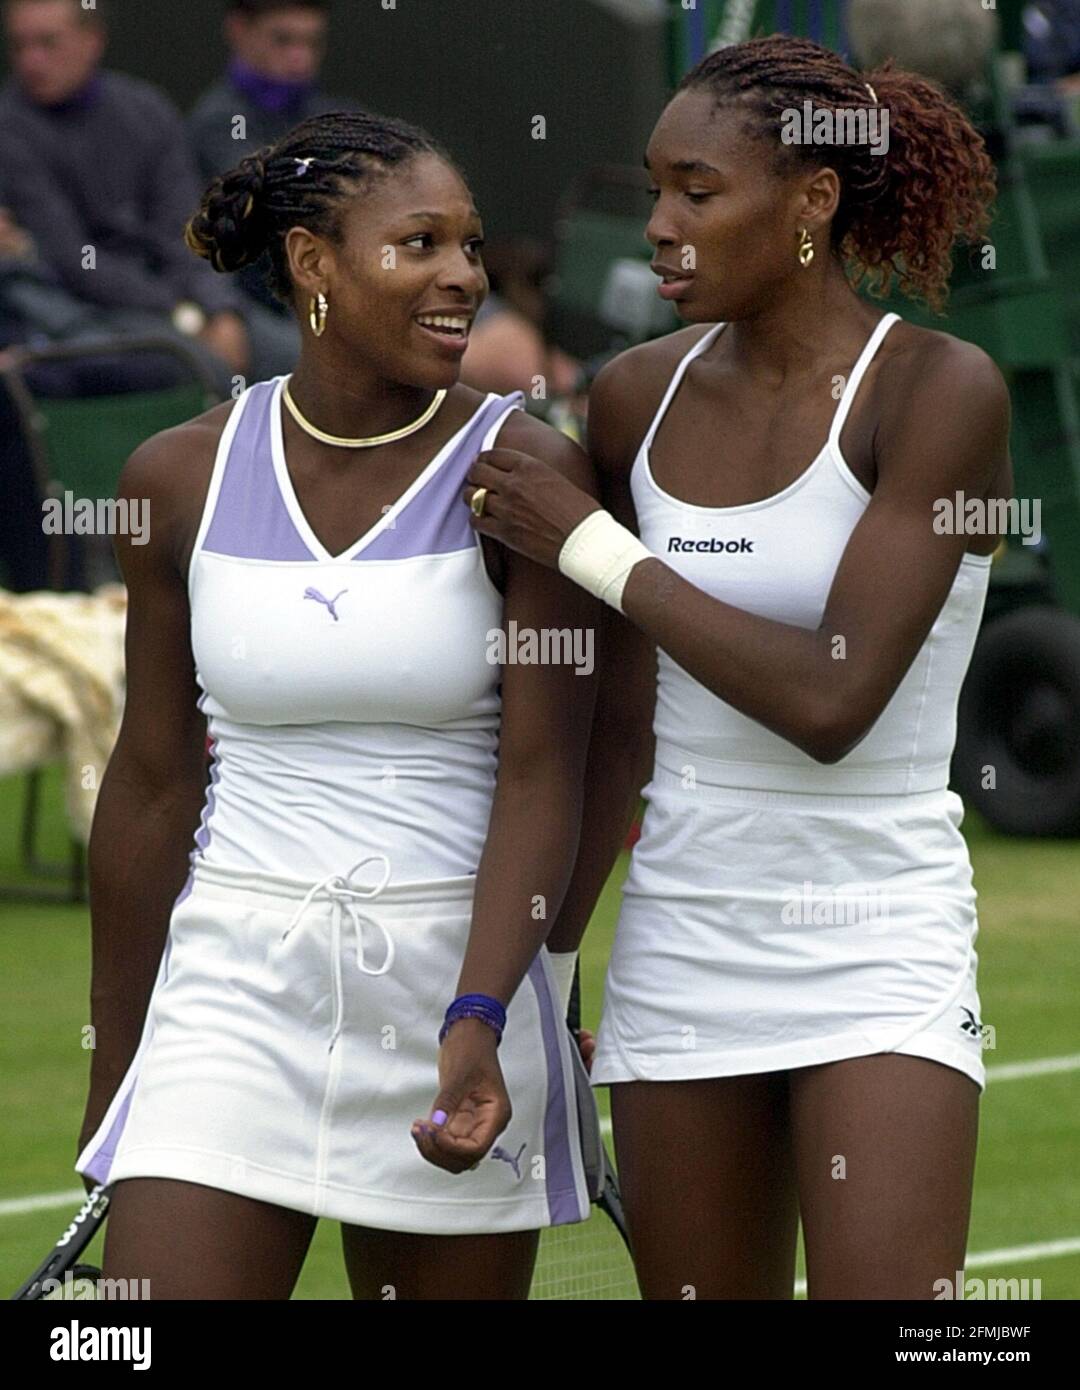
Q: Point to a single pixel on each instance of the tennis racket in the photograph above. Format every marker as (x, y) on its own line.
(60, 1275)
(588, 1259)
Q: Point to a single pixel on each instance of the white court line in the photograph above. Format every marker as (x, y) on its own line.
(15, 1206)
(1009, 1071)
(1042, 1066)
(981, 1259)
(1018, 1254)
(1005, 1071)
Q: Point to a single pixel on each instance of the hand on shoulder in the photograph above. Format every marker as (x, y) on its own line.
(527, 435)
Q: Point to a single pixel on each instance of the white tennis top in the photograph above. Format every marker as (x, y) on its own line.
(351, 699)
(778, 558)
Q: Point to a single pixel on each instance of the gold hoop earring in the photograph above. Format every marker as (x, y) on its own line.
(806, 248)
(318, 324)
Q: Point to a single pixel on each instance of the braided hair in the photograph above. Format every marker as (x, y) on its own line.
(306, 179)
(901, 212)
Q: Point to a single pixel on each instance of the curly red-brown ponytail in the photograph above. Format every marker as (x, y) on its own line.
(900, 212)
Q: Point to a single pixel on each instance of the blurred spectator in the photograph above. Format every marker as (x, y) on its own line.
(15, 244)
(23, 548)
(23, 545)
(33, 303)
(949, 41)
(507, 350)
(1052, 43)
(112, 186)
(270, 85)
(34, 310)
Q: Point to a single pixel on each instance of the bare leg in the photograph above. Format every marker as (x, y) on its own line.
(885, 1150)
(394, 1264)
(192, 1241)
(708, 1183)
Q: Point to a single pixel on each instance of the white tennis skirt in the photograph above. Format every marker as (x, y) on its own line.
(286, 1060)
(766, 930)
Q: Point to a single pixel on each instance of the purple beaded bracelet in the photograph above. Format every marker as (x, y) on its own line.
(481, 1006)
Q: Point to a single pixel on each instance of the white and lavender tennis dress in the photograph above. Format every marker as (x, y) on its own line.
(779, 912)
(291, 1038)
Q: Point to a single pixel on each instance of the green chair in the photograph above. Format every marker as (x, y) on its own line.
(79, 445)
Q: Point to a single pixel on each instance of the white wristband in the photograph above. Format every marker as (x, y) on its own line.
(563, 963)
(599, 554)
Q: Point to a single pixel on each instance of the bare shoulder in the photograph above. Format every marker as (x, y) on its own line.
(171, 459)
(170, 474)
(627, 393)
(528, 435)
(932, 370)
(943, 412)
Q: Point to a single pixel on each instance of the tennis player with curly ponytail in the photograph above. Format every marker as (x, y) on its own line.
(791, 1025)
(348, 1001)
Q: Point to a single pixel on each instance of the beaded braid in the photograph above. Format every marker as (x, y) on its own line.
(306, 179)
(901, 212)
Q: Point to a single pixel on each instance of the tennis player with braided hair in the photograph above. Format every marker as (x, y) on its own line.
(268, 1032)
(791, 1023)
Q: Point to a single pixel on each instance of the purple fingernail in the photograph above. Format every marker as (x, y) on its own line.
(439, 1117)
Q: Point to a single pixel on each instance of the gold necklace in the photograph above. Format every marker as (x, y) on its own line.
(309, 428)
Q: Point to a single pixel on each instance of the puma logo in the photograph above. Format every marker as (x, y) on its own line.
(328, 602)
(513, 1159)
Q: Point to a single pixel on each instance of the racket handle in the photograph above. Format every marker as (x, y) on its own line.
(573, 1012)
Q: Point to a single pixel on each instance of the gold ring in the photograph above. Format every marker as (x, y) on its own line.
(476, 502)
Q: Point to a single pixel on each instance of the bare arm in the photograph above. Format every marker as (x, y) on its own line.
(944, 430)
(947, 433)
(532, 835)
(622, 742)
(152, 791)
(546, 712)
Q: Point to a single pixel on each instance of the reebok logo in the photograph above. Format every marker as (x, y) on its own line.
(985, 1034)
(743, 546)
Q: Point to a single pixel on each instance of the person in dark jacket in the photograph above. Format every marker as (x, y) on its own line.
(270, 85)
(38, 312)
(113, 186)
(1052, 43)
